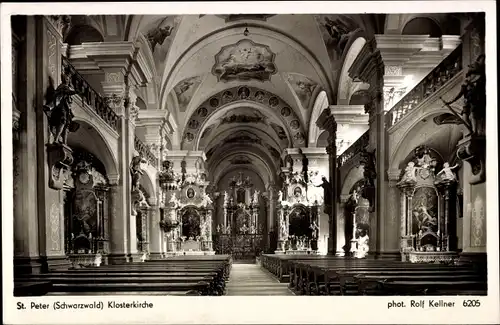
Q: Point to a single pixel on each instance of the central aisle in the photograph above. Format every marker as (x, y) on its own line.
(252, 280)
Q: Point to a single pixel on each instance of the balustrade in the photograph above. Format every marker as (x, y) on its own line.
(89, 95)
(441, 74)
(145, 152)
(354, 149)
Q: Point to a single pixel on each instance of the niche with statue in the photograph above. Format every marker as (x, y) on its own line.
(428, 219)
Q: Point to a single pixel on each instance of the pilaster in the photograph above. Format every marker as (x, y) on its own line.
(326, 121)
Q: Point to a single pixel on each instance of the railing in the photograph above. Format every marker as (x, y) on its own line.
(354, 149)
(90, 96)
(145, 152)
(441, 74)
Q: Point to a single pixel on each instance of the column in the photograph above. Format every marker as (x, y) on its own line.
(118, 233)
(154, 232)
(26, 241)
(393, 219)
(371, 72)
(52, 159)
(326, 121)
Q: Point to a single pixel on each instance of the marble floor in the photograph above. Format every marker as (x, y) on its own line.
(253, 280)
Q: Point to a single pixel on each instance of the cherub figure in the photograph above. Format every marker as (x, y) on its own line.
(410, 173)
(447, 172)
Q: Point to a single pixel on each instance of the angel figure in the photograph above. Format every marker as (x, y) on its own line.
(58, 110)
(158, 36)
(410, 173)
(226, 198)
(173, 200)
(447, 172)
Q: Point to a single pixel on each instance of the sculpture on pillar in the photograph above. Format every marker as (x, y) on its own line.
(58, 110)
(136, 171)
(327, 194)
(226, 199)
(158, 36)
(474, 92)
(339, 33)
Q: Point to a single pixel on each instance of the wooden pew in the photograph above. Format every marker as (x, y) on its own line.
(175, 276)
(325, 276)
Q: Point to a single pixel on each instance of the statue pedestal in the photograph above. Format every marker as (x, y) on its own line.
(59, 158)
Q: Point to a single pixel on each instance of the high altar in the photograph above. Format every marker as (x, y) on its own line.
(428, 213)
(186, 213)
(241, 231)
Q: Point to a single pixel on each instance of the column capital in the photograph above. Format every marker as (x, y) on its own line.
(326, 121)
(114, 179)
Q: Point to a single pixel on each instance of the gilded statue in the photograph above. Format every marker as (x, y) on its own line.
(58, 109)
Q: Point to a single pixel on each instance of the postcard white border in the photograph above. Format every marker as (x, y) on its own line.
(218, 310)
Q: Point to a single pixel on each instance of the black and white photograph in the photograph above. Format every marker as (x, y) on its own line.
(365, 174)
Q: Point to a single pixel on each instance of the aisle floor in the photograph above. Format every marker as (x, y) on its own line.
(253, 280)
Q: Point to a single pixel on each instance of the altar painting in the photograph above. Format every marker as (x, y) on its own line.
(425, 209)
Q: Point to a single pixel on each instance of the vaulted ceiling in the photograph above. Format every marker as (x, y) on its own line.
(246, 85)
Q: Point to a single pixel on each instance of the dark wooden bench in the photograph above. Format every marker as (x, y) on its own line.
(175, 276)
(334, 276)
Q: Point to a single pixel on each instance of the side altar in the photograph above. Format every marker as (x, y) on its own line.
(186, 213)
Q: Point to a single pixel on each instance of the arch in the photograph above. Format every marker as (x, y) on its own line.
(320, 104)
(345, 81)
(212, 109)
(89, 137)
(323, 139)
(148, 181)
(268, 31)
(354, 175)
(406, 143)
(422, 26)
(140, 103)
(83, 34)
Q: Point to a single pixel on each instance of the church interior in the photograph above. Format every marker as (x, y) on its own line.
(249, 154)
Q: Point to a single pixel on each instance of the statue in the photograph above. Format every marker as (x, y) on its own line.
(58, 110)
(315, 229)
(136, 171)
(206, 200)
(255, 199)
(280, 196)
(327, 193)
(474, 92)
(447, 173)
(283, 228)
(226, 198)
(410, 173)
(167, 174)
(339, 34)
(158, 36)
(363, 247)
(174, 202)
(369, 167)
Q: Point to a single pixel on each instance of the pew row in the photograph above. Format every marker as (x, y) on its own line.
(330, 275)
(179, 276)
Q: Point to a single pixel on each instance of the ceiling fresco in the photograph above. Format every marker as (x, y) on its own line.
(243, 61)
